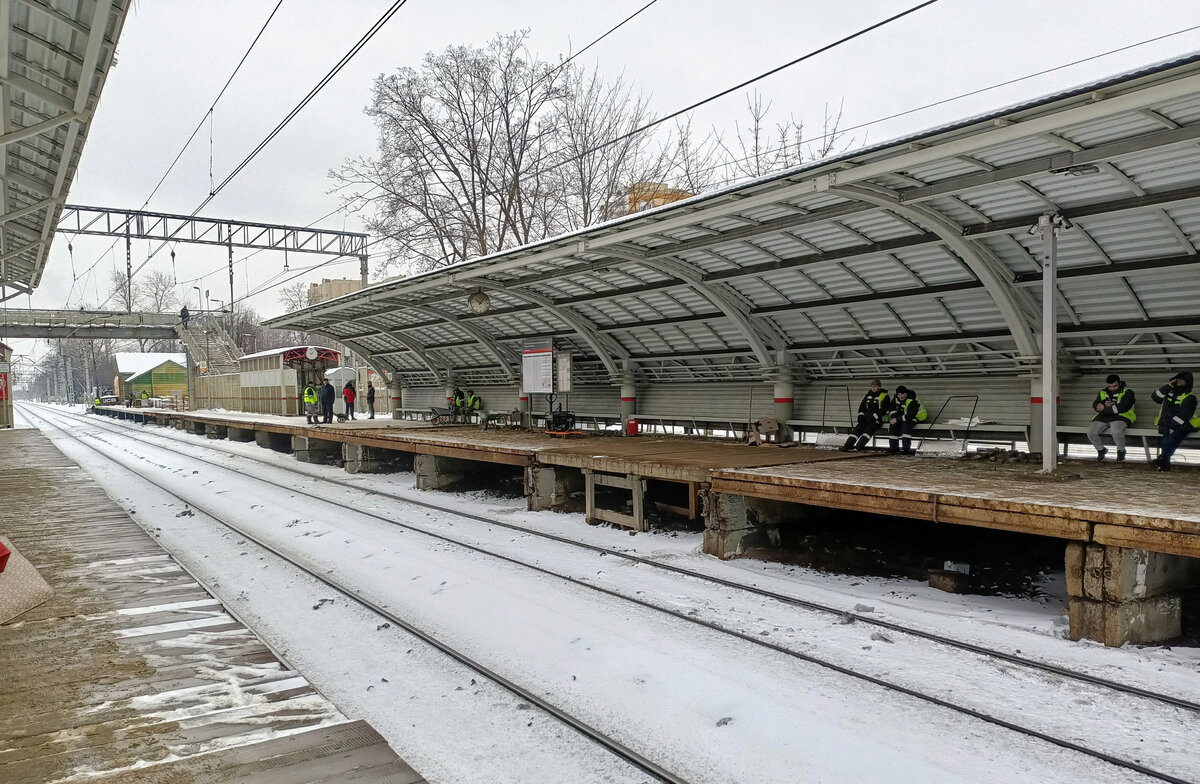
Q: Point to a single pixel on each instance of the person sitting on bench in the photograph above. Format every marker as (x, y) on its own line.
(1114, 412)
(870, 417)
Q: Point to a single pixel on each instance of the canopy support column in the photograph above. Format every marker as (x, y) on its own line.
(1049, 225)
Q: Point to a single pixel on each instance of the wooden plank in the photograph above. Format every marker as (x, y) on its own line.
(1171, 542)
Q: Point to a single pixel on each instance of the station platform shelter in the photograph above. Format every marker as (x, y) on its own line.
(1002, 266)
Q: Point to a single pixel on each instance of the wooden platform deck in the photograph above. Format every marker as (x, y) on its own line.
(133, 672)
(1128, 505)
(678, 459)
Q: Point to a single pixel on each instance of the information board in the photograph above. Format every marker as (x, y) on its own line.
(537, 366)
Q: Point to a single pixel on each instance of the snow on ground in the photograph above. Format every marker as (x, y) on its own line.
(711, 708)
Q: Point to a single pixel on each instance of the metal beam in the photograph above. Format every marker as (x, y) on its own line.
(990, 271)
(165, 227)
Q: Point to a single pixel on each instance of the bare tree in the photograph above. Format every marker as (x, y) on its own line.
(485, 149)
(695, 164)
(600, 152)
(122, 291)
(294, 296)
(761, 147)
(156, 292)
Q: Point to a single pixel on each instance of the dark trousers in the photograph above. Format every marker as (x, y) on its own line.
(327, 412)
(861, 434)
(371, 407)
(1171, 440)
(901, 430)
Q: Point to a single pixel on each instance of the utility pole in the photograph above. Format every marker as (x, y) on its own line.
(128, 271)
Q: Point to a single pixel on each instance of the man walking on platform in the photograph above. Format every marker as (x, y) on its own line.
(1114, 413)
(1177, 418)
(870, 417)
(327, 394)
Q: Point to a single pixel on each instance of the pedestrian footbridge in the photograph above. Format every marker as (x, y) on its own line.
(88, 324)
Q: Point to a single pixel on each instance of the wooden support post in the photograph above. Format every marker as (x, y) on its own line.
(635, 484)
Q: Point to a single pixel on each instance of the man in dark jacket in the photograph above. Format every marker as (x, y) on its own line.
(902, 421)
(871, 410)
(371, 399)
(1177, 418)
(1114, 413)
(327, 395)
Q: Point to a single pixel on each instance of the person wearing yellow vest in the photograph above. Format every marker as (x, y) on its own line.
(471, 404)
(1114, 413)
(1177, 417)
(310, 404)
(907, 411)
(871, 410)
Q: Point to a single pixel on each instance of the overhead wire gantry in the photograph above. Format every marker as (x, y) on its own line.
(165, 227)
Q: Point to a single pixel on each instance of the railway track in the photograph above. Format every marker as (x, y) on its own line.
(614, 746)
(1083, 678)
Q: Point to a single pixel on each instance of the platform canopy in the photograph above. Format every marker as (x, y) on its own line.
(55, 60)
(911, 257)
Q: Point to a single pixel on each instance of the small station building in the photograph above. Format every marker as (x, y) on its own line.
(271, 381)
(159, 374)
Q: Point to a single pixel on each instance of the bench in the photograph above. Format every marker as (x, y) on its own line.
(1148, 435)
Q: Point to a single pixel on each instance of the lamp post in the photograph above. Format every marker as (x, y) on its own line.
(199, 301)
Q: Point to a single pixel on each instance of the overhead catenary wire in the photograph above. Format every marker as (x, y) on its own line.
(196, 130)
(557, 68)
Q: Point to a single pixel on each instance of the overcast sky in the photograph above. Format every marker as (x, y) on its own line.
(174, 56)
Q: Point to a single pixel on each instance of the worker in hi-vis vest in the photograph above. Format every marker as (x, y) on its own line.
(310, 404)
(1177, 417)
(1114, 412)
(871, 411)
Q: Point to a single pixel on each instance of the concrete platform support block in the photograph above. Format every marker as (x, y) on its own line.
(1119, 595)
(315, 450)
(197, 428)
(547, 487)
(438, 473)
(239, 434)
(359, 459)
(734, 523)
(215, 431)
(280, 442)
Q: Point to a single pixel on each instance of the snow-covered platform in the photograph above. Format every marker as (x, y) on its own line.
(1128, 505)
(133, 672)
(1133, 534)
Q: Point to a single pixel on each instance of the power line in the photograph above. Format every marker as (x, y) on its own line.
(747, 83)
(550, 73)
(190, 138)
(354, 50)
